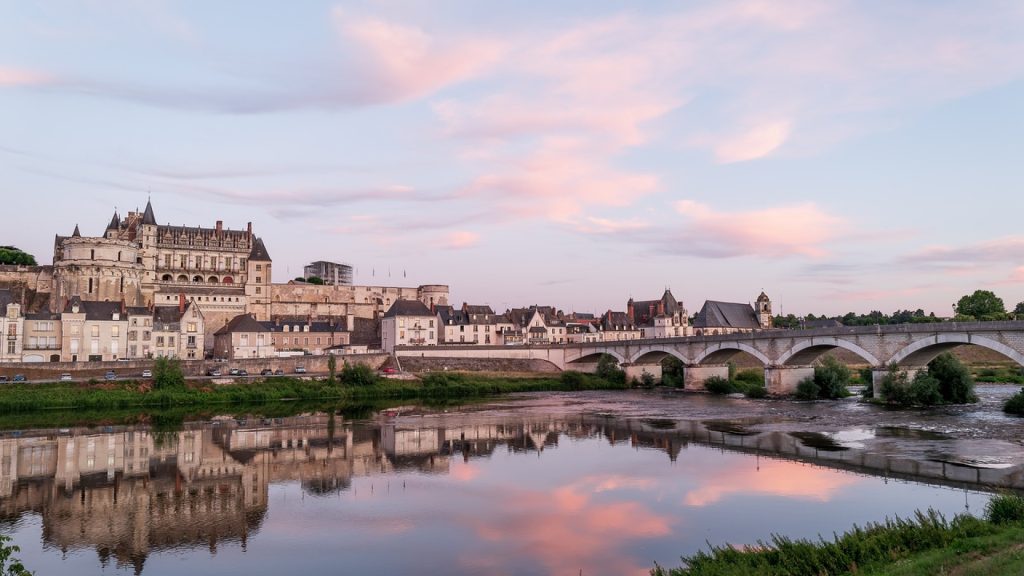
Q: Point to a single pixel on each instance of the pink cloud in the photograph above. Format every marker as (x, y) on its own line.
(22, 77)
(756, 142)
(799, 229)
(406, 62)
(459, 240)
(776, 477)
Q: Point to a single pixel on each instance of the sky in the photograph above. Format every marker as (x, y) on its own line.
(841, 156)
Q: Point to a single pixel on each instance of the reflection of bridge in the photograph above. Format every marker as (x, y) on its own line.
(787, 355)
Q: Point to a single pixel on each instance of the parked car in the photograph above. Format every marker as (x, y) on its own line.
(147, 373)
(243, 372)
(19, 378)
(3, 379)
(213, 372)
(278, 372)
(110, 375)
(234, 372)
(266, 372)
(65, 377)
(388, 370)
(300, 369)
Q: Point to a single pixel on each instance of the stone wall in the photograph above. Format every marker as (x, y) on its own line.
(80, 370)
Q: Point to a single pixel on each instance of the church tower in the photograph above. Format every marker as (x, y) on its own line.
(763, 307)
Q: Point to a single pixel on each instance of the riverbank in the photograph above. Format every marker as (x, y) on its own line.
(27, 398)
(925, 545)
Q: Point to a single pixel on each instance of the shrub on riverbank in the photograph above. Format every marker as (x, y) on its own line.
(875, 548)
(1015, 405)
(358, 385)
(807, 389)
(945, 381)
(832, 378)
(748, 386)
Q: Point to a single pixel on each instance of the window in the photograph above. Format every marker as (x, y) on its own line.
(431, 323)
(95, 347)
(10, 346)
(170, 341)
(317, 340)
(257, 291)
(94, 331)
(115, 331)
(191, 326)
(258, 268)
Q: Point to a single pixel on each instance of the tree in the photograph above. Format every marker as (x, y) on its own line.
(672, 372)
(1019, 311)
(982, 305)
(9, 565)
(167, 373)
(832, 377)
(315, 280)
(955, 382)
(12, 255)
(608, 369)
(332, 369)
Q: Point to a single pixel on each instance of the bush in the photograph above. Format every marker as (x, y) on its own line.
(751, 376)
(867, 377)
(672, 372)
(358, 375)
(608, 369)
(167, 374)
(647, 379)
(572, 379)
(955, 382)
(832, 377)
(807, 389)
(719, 385)
(1005, 509)
(895, 387)
(1015, 405)
(9, 565)
(924, 390)
(756, 392)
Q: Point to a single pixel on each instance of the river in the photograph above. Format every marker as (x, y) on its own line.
(555, 483)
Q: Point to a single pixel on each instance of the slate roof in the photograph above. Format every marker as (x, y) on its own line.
(6, 297)
(298, 325)
(76, 233)
(42, 316)
(115, 222)
(148, 217)
(616, 321)
(97, 311)
(242, 323)
(407, 308)
(726, 315)
(259, 252)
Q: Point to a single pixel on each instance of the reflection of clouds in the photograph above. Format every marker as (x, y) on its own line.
(464, 472)
(566, 530)
(777, 478)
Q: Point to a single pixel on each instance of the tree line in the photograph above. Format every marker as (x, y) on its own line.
(980, 306)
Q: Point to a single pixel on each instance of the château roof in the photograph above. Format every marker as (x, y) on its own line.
(76, 233)
(147, 216)
(259, 252)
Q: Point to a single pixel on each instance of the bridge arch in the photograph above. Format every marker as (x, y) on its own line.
(805, 352)
(720, 352)
(587, 356)
(660, 352)
(923, 351)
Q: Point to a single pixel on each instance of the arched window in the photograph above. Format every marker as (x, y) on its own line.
(182, 278)
(197, 279)
(212, 279)
(166, 278)
(228, 280)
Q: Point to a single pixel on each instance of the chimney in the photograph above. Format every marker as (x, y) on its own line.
(220, 227)
(248, 228)
(181, 303)
(661, 307)
(122, 307)
(629, 309)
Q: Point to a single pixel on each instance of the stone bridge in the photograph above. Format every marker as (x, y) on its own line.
(787, 355)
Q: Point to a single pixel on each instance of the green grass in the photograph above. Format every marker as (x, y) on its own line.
(924, 545)
(22, 398)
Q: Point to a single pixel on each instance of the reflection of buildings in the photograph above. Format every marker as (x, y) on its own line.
(129, 492)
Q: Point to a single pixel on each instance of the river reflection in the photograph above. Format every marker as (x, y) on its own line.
(448, 493)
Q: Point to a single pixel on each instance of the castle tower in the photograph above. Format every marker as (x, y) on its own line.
(763, 306)
(147, 239)
(258, 279)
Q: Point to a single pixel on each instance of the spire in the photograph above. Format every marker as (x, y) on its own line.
(115, 222)
(147, 216)
(76, 233)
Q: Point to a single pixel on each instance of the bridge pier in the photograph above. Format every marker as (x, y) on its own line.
(782, 380)
(695, 376)
(637, 371)
(878, 374)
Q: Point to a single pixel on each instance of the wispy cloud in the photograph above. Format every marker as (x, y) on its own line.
(22, 77)
(459, 240)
